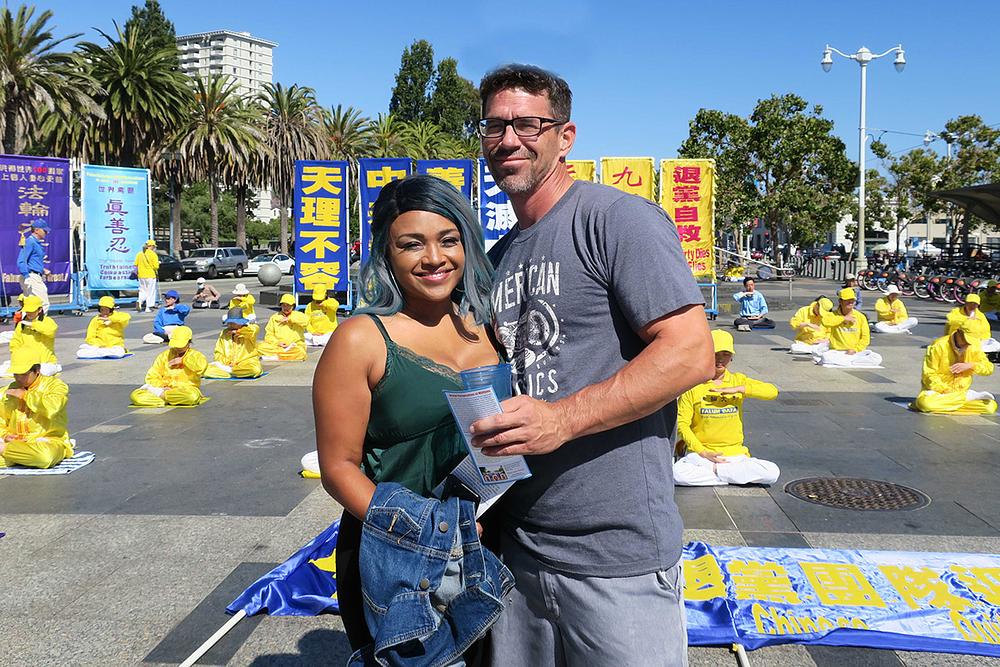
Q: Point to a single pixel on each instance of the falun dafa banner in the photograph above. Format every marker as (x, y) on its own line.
(456, 172)
(582, 170)
(320, 209)
(687, 193)
(633, 175)
(374, 173)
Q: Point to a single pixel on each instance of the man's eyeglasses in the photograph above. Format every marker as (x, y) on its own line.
(525, 126)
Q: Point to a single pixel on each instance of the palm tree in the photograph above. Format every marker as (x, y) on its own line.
(293, 131)
(423, 140)
(348, 132)
(387, 136)
(244, 173)
(218, 130)
(145, 95)
(33, 76)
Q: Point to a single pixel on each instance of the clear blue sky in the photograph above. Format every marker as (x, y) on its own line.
(639, 70)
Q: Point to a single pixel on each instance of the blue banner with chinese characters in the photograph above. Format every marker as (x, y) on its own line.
(496, 214)
(322, 246)
(456, 172)
(756, 597)
(373, 174)
(116, 222)
(34, 188)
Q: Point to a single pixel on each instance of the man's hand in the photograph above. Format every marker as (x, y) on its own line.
(961, 368)
(849, 319)
(850, 352)
(176, 362)
(526, 426)
(16, 392)
(46, 272)
(712, 456)
(729, 391)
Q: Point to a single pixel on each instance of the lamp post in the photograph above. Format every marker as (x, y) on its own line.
(173, 160)
(862, 57)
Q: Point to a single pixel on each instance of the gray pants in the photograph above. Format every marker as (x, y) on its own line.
(557, 619)
(34, 285)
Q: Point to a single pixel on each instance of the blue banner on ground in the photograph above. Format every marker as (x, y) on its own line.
(304, 585)
(496, 214)
(322, 229)
(456, 172)
(33, 188)
(117, 221)
(752, 596)
(373, 174)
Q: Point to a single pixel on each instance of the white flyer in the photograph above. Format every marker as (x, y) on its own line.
(469, 407)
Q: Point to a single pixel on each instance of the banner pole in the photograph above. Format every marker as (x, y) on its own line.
(214, 639)
(741, 655)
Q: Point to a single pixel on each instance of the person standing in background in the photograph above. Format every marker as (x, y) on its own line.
(31, 264)
(147, 263)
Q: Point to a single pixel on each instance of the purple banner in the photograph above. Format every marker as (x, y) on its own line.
(33, 188)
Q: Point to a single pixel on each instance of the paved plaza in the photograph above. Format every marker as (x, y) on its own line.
(133, 559)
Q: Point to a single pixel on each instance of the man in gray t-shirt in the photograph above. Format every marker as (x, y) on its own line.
(605, 328)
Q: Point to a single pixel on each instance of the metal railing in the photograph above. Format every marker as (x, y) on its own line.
(724, 257)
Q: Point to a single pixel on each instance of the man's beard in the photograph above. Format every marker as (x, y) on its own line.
(516, 184)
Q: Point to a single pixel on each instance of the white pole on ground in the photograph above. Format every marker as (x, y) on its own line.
(214, 639)
(741, 655)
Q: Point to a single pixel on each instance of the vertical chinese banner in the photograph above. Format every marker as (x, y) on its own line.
(33, 188)
(320, 209)
(456, 172)
(374, 173)
(496, 214)
(117, 220)
(582, 170)
(633, 175)
(687, 193)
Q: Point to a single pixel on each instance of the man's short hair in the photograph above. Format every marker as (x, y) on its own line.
(747, 279)
(534, 80)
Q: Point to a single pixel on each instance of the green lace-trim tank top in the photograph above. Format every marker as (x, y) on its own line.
(412, 437)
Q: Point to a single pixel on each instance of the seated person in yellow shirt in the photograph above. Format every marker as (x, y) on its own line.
(33, 419)
(969, 312)
(849, 336)
(236, 352)
(243, 299)
(285, 334)
(322, 314)
(5, 336)
(175, 376)
(710, 425)
(990, 301)
(106, 332)
(36, 331)
(811, 337)
(946, 379)
(892, 315)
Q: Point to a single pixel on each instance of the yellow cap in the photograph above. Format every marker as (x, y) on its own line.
(31, 304)
(723, 341)
(22, 360)
(287, 298)
(847, 294)
(969, 329)
(824, 303)
(973, 298)
(150, 243)
(180, 337)
(319, 294)
(106, 302)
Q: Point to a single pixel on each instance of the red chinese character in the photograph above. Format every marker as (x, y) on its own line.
(687, 174)
(689, 233)
(627, 174)
(686, 214)
(686, 193)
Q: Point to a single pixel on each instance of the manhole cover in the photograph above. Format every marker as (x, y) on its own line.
(857, 494)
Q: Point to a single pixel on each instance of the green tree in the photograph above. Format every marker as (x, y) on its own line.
(150, 19)
(348, 133)
(387, 136)
(34, 77)
(975, 161)
(454, 104)
(411, 94)
(293, 130)
(196, 211)
(423, 140)
(218, 129)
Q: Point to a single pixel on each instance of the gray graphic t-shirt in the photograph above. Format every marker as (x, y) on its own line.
(569, 295)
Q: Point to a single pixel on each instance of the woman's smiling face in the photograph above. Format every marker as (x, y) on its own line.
(426, 256)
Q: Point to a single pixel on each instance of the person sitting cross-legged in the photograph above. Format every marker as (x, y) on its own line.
(175, 376)
(753, 308)
(170, 315)
(236, 354)
(36, 331)
(285, 334)
(105, 333)
(322, 314)
(946, 380)
(811, 337)
(33, 418)
(243, 299)
(892, 315)
(969, 312)
(710, 424)
(990, 301)
(849, 336)
(205, 296)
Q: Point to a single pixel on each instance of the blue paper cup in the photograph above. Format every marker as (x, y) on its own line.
(497, 376)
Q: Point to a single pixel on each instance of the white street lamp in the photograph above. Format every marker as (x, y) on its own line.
(862, 57)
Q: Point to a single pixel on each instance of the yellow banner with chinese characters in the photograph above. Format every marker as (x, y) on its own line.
(582, 170)
(687, 193)
(633, 175)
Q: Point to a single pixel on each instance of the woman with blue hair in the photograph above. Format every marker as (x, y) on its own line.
(377, 392)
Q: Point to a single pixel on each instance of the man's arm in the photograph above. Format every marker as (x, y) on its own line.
(678, 356)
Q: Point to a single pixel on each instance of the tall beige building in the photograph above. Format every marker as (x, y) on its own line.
(240, 55)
